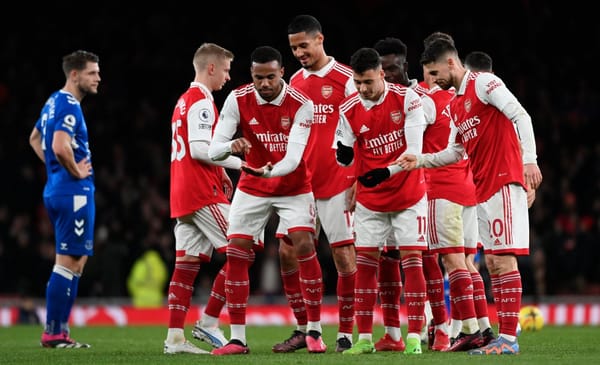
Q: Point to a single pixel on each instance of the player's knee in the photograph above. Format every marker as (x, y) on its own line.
(344, 258)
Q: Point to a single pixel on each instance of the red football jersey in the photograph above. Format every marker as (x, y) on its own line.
(380, 140)
(488, 136)
(267, 126)
(452, 182)
(194, 184)
(327, 88)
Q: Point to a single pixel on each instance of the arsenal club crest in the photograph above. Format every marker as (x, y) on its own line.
(396, 116)
(326, 91)
(468, 105)
(285, 122)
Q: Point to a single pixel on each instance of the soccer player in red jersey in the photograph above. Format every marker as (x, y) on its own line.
(326, 81)
(199, 199)
(275, 121)
(382, 121)
(496, 132)
(452, 216)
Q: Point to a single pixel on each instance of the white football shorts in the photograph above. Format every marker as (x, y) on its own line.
(197, 234)
(504, 221)
(249, 213)
(406, 229)
(333, 217)
(452, 227)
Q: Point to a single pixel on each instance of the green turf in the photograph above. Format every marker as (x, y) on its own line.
(143, 345)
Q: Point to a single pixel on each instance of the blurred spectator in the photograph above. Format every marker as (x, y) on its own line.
(147, 279)
(27, 312)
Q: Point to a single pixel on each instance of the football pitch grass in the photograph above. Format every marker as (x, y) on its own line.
(144, 345)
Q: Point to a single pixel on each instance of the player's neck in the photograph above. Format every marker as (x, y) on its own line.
(204, 81)
(321, 62)
(460, 77)
(74, 90)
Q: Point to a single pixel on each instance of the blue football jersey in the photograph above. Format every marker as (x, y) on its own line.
(62, 112)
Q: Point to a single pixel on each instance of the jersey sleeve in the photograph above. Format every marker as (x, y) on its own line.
(344, 132)
(229, 119)
(491, 90)
(429, 109)
(415, 123)
(302, 123)
(68, 115)
(201, 118)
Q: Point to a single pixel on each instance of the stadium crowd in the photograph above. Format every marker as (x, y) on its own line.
(144, 62)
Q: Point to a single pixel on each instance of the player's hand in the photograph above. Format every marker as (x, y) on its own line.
(240, 146)
(374, 177)
(344, 154)
(533, 175)
(407, 162)
(260, 171)
(530, 196)
(84, 167)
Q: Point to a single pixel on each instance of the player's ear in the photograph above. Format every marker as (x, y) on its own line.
(320, 38)
(452, 62)
(211, 68)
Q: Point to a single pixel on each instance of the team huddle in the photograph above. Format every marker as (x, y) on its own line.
(400, 175)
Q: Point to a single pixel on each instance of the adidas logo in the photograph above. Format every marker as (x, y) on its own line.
(363, 129)
(172, 296)
(253, 122)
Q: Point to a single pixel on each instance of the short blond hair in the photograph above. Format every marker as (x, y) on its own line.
(208, 52)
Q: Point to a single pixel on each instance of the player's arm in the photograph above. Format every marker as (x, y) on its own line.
(503, 99)
(61, 146)
(35, 140)
(297, 141)
(200, 122)
(221, 145)
(343, 142)
(453, 153)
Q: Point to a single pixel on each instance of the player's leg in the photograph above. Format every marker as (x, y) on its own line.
(73, 219)
(461, 292)
(244, 208)
(434, 279)
(480, 300)
(298, 214)
(472, 244)
(409, 228)
(189, 255)
(371, 230)
(503, 240)
(389, 285)
(338, 225)
(290, 277)
(211, 221)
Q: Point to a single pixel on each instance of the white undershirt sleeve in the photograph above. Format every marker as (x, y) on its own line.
(503, 99)
(453, 153)
(297, 141)
(199, 151)
(200, 121)
(220, 145)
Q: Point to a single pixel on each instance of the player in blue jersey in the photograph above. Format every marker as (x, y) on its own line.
(60, 140)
